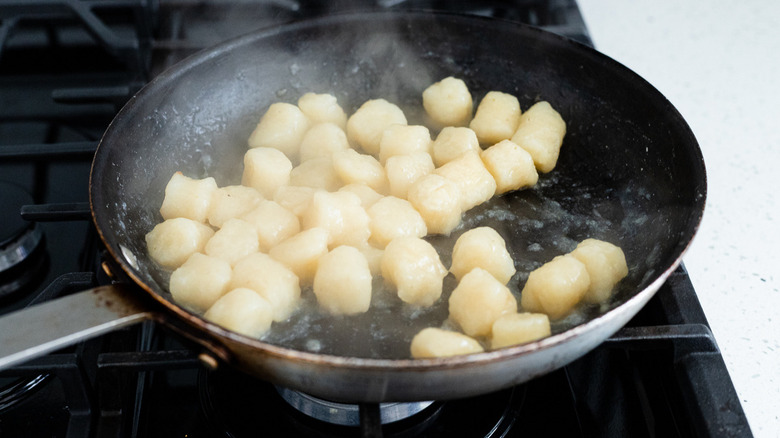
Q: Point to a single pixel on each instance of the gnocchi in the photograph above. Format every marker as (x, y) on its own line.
(435, 342)
(342, 283)
(173, 241)
(448, 102)
(413, 267)
(329, 203)
(482, 247)
(187, 197)
(478, 301)
(242, 311)
(200, 281)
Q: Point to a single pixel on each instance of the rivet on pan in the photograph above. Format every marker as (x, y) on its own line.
(208, 361)
(107, 269)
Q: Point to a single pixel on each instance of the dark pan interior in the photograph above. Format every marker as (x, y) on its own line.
(630, 169)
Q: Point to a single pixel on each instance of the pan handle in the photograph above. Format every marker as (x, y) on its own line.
(58, 323)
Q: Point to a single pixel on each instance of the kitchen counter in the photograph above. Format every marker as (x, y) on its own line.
(718, 62)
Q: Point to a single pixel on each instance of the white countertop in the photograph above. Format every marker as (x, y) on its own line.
(718, 62)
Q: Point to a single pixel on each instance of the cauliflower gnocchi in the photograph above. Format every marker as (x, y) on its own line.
(435, 342)
(322, 141)
(448, 102)
(475, 183)
(282, 127)
(519, 328)
(187, 197)
(328, 203)
(478, 301)
(173, 241)
(322, 108)
(555, 287)
(341, 214)
(302, 252)
(413, 267)
(230, 202)
(265, 170)
(540, 131)
(510, 165)
(606, 266)
(438, 201)
(200, 281)
(271, 280)
(393, 217)
(482, 247)
(497, 117)
(242, 311)
(404, 140)
(235, 240)
(451, 143)
(272, 223)
(404, 170)
(367, 125)
(342, 283)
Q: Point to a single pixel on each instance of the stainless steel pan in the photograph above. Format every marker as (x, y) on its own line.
(630, 171)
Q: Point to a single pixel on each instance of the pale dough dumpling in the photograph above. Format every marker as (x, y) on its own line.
(468, 172)
(302, 252)
(367, 195)
(438, 201)
(273, 223)
(231, 202)
(353, 167)
(478, 301)
(342, 215)
(413, 266)
(373, 256)
(496, 118)
(322, 107)
(606, 265)
(173, 241)
(272, 280)
(234, 241)
(404, 170)
(265, 170)
(295, 198)
(317, 173)
(482, 247)
(511, 166)
(393, 217)
(404, 140)
(555, 287)
(366, 126)
(519, 328)
(540, 132)
(435, 342)
(323, 140)
(451, 143)
(342, 283)
(200, 281)
(187, 197)
(281, 127)
(448, 102)
(243, 311)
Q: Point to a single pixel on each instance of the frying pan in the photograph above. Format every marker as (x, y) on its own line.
(630, 171)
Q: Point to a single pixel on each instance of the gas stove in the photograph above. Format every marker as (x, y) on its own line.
(67, 67)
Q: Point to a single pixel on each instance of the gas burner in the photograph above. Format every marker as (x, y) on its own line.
(237, 405)
(345, 414)
(22, 258)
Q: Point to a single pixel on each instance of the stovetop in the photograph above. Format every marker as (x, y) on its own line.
(67, 66)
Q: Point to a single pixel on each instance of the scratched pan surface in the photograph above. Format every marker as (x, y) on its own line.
(630, 172)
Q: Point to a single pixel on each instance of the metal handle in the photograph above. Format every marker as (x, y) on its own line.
(58, 323)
